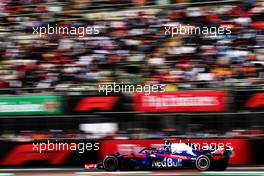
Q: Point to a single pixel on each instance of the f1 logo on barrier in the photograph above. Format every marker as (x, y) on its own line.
(256, 100)
(25, 153)
(104, 103)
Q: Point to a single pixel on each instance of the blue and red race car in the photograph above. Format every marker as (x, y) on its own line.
(151, 158)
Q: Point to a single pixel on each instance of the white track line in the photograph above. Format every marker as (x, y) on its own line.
(125, 172)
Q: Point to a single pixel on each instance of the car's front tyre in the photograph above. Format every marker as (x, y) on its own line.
(203, 163)
(110, 163)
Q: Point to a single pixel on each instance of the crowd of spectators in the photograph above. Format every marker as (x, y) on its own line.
(131, 46)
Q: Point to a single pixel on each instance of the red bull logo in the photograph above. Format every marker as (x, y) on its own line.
(167, 162)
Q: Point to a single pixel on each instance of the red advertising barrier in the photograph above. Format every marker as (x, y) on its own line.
(198, 101)
(240, 147)
(86, 104)
(48, 153)
(249, 100)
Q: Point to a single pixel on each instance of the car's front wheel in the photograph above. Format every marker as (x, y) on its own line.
(203, 163)
(110, 163)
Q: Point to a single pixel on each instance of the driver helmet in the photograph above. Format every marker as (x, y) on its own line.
(167, 146)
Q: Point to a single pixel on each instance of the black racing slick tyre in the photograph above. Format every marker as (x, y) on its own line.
(110, 163)
(203, 163)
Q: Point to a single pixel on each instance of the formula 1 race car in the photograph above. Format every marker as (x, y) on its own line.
(151, 158)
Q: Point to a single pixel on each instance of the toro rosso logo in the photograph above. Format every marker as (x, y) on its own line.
(167, 162)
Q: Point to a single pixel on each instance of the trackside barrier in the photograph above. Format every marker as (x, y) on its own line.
(48, 153)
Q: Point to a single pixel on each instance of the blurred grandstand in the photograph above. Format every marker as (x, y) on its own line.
(131, 48)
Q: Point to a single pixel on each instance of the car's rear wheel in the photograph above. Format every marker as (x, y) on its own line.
(110, 163)
(203, 163)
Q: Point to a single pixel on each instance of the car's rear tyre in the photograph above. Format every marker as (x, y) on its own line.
(203, 163)
(110, 163)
